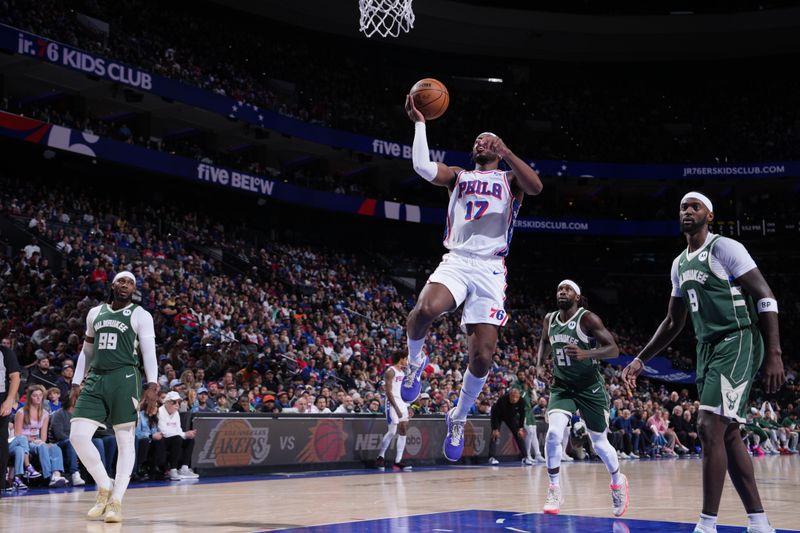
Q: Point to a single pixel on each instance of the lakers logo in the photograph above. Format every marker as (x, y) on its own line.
(234, 442)
(326, 443)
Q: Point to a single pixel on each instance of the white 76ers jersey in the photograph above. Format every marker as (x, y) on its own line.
(481, 213)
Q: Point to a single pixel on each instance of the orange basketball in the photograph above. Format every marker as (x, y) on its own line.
(430, 97)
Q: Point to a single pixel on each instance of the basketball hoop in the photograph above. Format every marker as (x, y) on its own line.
(385, 17)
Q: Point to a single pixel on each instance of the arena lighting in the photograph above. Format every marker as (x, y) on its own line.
(473, 78)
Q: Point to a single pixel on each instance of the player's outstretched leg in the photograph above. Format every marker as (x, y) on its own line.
(619, 483)
(434, 300)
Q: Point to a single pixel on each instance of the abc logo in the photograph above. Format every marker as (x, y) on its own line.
(413, 441)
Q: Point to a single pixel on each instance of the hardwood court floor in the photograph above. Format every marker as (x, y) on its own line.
(667, 490)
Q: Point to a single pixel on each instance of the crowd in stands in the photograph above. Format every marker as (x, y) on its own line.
(551, 112)
(301, 329)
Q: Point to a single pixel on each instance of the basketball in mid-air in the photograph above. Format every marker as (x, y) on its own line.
(430, 97)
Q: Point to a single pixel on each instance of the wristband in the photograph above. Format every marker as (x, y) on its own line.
(767, 305)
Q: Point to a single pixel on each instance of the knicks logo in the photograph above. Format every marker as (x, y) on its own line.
(326, 444)
(234, 442)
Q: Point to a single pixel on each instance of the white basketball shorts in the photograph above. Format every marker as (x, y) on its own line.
(391, 414)
(479, 283)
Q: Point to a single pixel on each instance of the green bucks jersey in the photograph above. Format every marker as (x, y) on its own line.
(566, 370)
(114, 337)
(716, 305)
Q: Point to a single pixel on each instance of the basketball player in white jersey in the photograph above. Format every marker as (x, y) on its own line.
(396, 411)
(480, 220)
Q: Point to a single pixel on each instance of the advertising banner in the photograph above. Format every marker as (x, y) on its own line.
(89, 145)
(659, 368)
(264, 442)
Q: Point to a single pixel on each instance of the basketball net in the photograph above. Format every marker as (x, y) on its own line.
(385, 17)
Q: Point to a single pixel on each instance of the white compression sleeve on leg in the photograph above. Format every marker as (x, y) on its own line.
(401, 446)
(555, 435)
(126, 457)
(421, 156)
(607, 453)
(80, 436)
(387, 439)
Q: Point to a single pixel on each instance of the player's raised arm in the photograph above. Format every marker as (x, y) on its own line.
(756, 286)
(436, 173)
(521, 173)
(607, 346)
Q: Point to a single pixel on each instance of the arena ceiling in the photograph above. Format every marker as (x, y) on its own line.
(463, 26)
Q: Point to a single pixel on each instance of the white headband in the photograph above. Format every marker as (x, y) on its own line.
(125, 274)
(486, 133)
(699, 196)
(572, 284)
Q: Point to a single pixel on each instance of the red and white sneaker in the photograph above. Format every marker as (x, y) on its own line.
(619, 497)
(552, 504)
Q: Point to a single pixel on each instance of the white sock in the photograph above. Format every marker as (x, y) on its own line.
(126, 457)
(387, 440)
(470, 388)
(401, 446)
(555, 435)
(80, 436)
(607, 454)
(415, 351)
(554, 479)
(707, 521)
(757, 523)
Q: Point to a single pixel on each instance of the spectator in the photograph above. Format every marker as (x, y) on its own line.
(203, 404)
(53, 399)
(242, 405)
(64, 381)
(686, 430)
(348, 406)
(178, 443)
(268, 404)
(59, 428)
(42, 374)
(150, 452)
(623, 437)
(32, 422)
